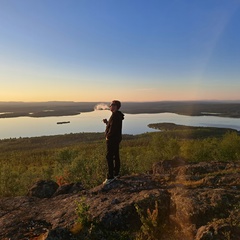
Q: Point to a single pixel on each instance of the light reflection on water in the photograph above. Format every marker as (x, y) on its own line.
(92, 122)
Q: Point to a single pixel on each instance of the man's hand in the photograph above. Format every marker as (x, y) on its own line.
(105, 121)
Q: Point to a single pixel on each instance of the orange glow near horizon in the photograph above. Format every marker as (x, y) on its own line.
(125, 96)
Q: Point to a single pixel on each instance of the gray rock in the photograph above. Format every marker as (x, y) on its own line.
(69, 188)
(43, 189)
(64, 189)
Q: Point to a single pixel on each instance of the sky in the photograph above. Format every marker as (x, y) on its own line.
(131, 50)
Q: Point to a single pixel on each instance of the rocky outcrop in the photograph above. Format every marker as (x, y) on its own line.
(205, 198)
(195, 202)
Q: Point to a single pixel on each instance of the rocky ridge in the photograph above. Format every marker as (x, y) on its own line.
(195, 201)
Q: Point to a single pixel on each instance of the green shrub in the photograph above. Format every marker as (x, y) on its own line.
(229, 147)
(165, 147)
(198, 150)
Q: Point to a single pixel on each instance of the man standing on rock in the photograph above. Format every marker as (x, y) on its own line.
(113, 136)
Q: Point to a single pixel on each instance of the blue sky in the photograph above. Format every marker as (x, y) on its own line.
(132, 50)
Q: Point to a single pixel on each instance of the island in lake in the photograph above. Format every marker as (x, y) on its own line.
(63, 122)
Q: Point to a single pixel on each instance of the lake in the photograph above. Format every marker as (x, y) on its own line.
(92, 122)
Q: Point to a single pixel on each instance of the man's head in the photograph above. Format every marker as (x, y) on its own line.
(115, 105)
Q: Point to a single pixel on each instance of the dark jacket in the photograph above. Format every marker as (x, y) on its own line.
(114, 126)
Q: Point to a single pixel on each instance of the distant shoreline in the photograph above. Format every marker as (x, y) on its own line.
(189, 108)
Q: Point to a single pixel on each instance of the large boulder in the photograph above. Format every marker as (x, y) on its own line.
(43, 189)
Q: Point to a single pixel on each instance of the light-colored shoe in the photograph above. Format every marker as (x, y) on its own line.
(108, 181)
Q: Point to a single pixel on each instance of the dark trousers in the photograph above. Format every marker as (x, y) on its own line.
(113, 158)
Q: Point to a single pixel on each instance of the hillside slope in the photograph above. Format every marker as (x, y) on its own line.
(193, 201)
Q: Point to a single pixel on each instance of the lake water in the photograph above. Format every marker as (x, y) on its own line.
(92, 122)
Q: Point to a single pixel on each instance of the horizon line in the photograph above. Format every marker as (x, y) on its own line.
(153, 101)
